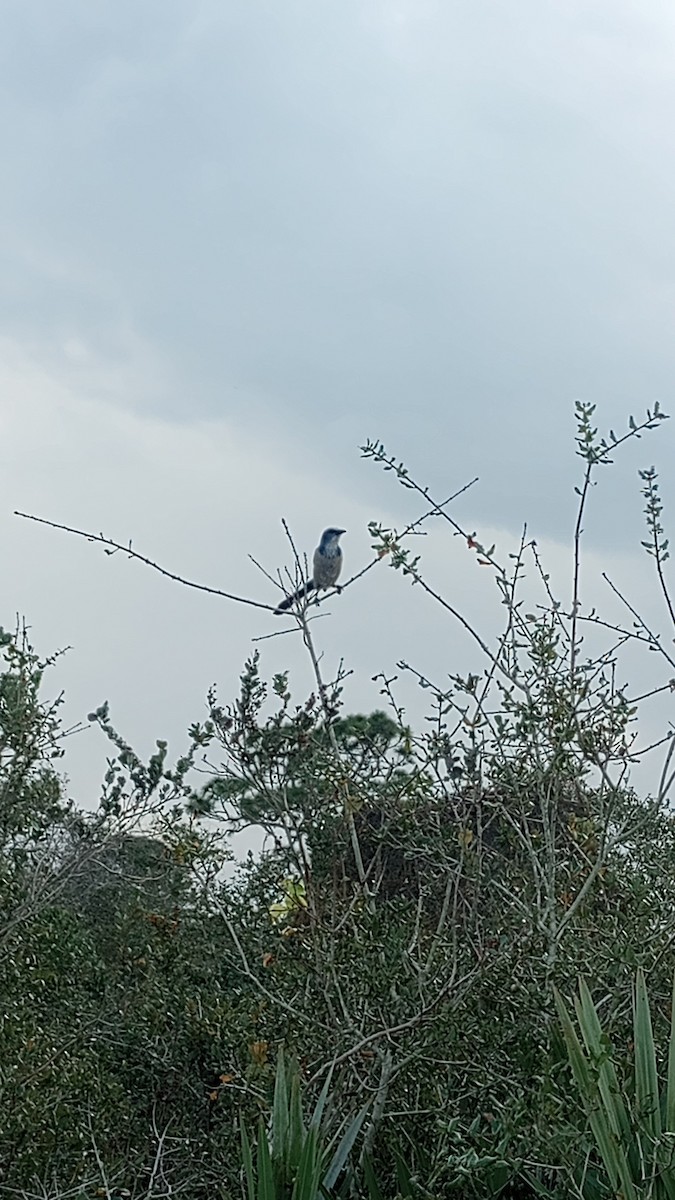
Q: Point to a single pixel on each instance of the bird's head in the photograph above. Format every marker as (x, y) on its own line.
(330, 537)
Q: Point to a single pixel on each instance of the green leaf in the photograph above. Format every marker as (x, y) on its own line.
(646, 1079)
(266, 1188)
(344, 1149)
(308, 1178)
(608, 1084)
(280, 1117)
(374, 1192)
(403, 1178)
(296, 1126)
(602, 1125)
(248, 1163)
(670, 1085)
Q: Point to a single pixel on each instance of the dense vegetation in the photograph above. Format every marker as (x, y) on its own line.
(419, 898)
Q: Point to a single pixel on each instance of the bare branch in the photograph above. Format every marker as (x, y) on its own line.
(131, 553)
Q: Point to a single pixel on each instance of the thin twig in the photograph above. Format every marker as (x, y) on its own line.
(435, 511)
(115, 546)
(655, 643)
(578, 530)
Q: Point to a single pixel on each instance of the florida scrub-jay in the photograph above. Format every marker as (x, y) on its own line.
(326, 567)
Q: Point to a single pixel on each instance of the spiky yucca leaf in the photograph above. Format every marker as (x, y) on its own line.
(637, 1151)
(603, 1123)
(646, 1078)
(670, 1086)
(293, 1161)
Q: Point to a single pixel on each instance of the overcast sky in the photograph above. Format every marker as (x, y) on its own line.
(240, 238)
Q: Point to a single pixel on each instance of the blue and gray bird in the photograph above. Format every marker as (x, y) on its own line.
(326, 567)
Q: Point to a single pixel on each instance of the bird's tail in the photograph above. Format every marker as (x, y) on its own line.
(289, 601)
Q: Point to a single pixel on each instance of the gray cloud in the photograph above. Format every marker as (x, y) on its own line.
(434, 223)
(298, 225)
